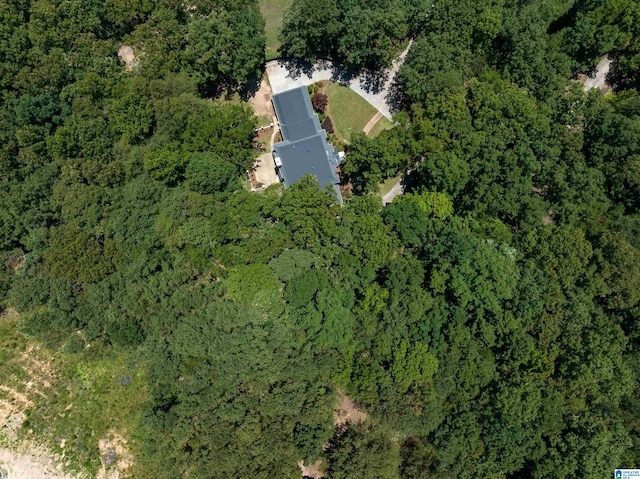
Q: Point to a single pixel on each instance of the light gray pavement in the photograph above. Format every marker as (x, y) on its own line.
(397, 189)
(375, 88)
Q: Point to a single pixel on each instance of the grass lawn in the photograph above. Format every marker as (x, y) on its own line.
(264, 120)
(383, 124)
(273, 10)
(386, 185)
(349, 112)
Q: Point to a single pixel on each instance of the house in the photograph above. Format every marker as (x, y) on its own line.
(304, 149)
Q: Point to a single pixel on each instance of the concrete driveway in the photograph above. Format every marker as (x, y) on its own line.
(397, 189)
(375, 87)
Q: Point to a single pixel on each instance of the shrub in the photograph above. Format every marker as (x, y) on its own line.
(74, 345)
(327, 125)
(79, 256)
(319, 102)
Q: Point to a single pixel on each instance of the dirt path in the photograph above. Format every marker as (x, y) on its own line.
(261, 101)
(371, 123)
(264, 168)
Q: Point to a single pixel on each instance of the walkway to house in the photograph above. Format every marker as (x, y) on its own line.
(371, 123)
(375, 87)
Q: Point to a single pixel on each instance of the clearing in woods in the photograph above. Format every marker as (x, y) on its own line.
(273, 11)
(60, 412)
(34, 464)
(346, 412)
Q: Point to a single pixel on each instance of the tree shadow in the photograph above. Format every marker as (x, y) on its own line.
(226, 89)
(617, 78)
(395, 97)
(371, 80)
(297, 67)
(412, 180)
(249, 89)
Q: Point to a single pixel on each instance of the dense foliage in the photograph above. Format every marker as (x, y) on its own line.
(486, 320)
(360, 34)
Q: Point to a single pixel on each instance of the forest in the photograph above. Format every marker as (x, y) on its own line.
(485, 320)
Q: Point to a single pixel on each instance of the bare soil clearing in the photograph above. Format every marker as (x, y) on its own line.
(346, 412)
(313, 470)
(127, 55)
(39, 425)
(116, 459)
(598, 78)
(264, 171)
(261, 101)
(27, 378)
(35, 463)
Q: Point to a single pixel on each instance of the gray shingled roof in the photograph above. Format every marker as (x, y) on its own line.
(305, 149)
(309, 155)
(295, 114)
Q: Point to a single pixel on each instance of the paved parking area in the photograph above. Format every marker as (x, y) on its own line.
(375, 88)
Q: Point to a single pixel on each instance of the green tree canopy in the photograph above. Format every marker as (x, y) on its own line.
(208, 173)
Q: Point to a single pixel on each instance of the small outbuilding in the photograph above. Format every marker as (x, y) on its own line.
(304, 149)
